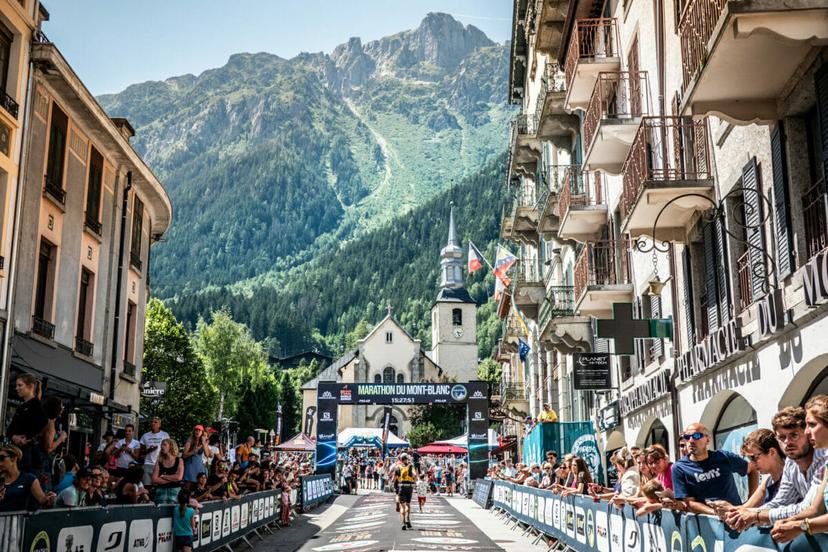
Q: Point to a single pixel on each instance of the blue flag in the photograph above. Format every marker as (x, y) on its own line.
(523, 349)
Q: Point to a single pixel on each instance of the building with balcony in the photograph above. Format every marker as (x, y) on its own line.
(89, 210)
(695, 191)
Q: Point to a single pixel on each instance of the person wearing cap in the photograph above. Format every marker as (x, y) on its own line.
(75, 494)
(405, 475)
(548, 415)
(195, 450)
(151, 447)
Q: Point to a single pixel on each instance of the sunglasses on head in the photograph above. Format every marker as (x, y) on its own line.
(695, 436)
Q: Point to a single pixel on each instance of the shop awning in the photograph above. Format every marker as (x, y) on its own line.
(62, 368)
(441, 449)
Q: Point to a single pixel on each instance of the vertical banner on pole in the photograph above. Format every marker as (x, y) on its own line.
(478, 412)
(327, 403)
(309, 412)
(278, 438)
(386, 426)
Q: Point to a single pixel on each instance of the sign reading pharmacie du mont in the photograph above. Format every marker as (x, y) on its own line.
(641, 395)
(714, 349)
(405, 393)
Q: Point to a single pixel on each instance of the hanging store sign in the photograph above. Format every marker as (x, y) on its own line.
(714, 349)
(771, 313)
(642, 395)
(592, 371)
(608, 417)
(153, 389)
(815, 280)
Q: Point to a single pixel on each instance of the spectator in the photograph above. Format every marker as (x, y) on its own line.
(21, 490)
(552, 458)
(28, 423)
(104, 455)
(167, 473)
(51, 437)
(130, 489)
(68, 479)
(816, 430)
(707, 475)
(659, 465)
(184, 523)
(126, 451)
(548, 415)
(216, 449)
(801, 475)
(244, 450)
(422, 491)
(581, 478)
(97, 493)
(535, 476)
(653, 492)
(195, 449)
(151, 448)
(509, 469)
(75, 494)
(202, 492)
(548, 478)
(761, 448)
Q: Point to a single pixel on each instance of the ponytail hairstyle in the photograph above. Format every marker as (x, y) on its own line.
(624, 457)
(30, 380)
(183, 501)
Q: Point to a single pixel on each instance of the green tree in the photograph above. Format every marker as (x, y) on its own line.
(169, 357)
(436, 422)
(422, 434)
(360, 331)
(234, 360)
(259, 410)
(490, 371)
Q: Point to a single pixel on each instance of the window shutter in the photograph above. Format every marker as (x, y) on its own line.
(821, 85)
(640, 344)
(657, 347)
(722, 271)
(689, 315)
(781, 203)
(710, 280)
(754, 227)
(601, 345)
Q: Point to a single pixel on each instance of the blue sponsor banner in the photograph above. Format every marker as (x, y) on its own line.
(589, 526)
(316, 489)
(564, 437)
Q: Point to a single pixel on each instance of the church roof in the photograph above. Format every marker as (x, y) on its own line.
(454, 295)
(395, 322)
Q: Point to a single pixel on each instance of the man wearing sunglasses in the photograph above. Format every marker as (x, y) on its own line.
(801, 476)
(705, 476)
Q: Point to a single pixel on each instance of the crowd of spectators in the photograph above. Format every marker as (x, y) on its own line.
(36, 471)
(784, 468)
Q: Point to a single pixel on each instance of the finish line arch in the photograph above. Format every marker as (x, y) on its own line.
(474, 394)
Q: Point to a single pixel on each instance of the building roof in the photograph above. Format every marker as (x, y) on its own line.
(331, 373)
(457, 295)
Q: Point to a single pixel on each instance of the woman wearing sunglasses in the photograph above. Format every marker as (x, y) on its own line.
(19, 490)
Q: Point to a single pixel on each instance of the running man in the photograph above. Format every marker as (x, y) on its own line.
(405, 475)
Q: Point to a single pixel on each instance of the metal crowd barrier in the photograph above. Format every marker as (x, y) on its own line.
(580, 523)
(137, 527)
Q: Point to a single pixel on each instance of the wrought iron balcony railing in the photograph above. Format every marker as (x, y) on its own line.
(84, 347)
(580, 189)
(8, 103)
(745, 281)
(512, 391)
(665, 149)
(92, 223)
(591, 39)
(602, 263)
(560, 301)
(54, 189)
(135, 260)
(814, 208)
(526, 271)
(695, 28)
(617, 95)
(129, 369)
(43, 328)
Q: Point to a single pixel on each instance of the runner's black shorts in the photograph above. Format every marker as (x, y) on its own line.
(405, 492)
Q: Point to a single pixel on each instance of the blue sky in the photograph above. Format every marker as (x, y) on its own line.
(114, 43)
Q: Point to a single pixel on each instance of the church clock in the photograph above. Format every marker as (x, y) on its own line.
(458, 332)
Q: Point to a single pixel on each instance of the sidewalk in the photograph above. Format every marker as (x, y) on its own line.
(496, 529)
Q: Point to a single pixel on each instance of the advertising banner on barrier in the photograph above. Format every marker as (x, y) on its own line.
(146, 527)
(315, 490)
(589, 526)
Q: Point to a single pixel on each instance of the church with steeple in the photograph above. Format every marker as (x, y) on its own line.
(389, 354)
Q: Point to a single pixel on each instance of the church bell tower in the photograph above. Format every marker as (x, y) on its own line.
(454, 315)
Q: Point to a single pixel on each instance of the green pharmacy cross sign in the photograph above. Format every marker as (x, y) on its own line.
(624, 329)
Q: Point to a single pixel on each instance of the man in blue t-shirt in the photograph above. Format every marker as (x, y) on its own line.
(704, 475)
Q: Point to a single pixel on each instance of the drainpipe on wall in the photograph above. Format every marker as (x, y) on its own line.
(118, 286)
(8, 330)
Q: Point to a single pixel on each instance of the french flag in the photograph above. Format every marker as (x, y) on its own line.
(475, 259)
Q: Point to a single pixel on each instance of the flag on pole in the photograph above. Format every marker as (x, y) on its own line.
(475, 259)
(523, 349)
(520, 319)
(503, 262)
(500, 287)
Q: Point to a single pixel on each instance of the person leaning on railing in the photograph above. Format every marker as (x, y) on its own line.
(581, 477)
(20, 490)
(814, 518)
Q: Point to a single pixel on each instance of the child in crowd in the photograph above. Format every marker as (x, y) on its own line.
(422, 491)
(653, 491)
(184, 524)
